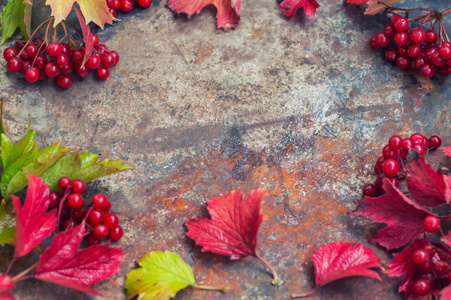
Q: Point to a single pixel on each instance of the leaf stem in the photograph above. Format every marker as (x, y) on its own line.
(274, 274)
(211, 288)
(299, 295)
(11, 263)
(21, 275)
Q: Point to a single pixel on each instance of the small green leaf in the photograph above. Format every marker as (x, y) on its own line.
(7, 224)
(11, 153)
(2, 130)
(162, 275)
(13, 16)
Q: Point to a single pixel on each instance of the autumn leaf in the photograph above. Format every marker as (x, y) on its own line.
(404, 218)
(290, 7)
(7, 224)
(426, 186)
(13, 17)
(228, 14)
(446, 151)
(87, 36)
(445, 293)
(339, 260)
(5, 283)
(62, 263)
(374, 6)
(233, 227)
(161, 276)
(7, 296)
(33, 224)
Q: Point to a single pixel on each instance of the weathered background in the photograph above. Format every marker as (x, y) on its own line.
(301, 107)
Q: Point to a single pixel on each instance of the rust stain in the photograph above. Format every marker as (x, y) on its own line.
(203, 53)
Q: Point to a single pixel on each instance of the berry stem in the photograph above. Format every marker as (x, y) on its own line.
(211, 288)
(20, 276)
(299, 295)
(11, 263)
(274, 274)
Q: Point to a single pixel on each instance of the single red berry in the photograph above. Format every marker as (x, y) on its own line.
(437, 59)
(23, 56)
(420, 256)
(391, 54)
(395, 142)
(78, 186)
(93, 62)
(382, 40)
(76, 201)
(390, 167)
(103, 73)
(387, 152)
(428, 55)
(95, 217)
(402, 50)
(393, 181)
(54, 199)
(402, 62)
(380, 160)
(108, 60)
(111, 221)
(419, 62)
(427, 70)
(103, 49)
(78, 55)
(64, 81)
(95, 39)
(407, 143)
(92, 240)
(431, 224)
(82, 71)
(69, 224)
(115, 55)
(67, 68)
(62, 60)
(435, 142)
(377, 169)
(369, 190)
(54, 49)
(101, 231)
(413, 50)
(25, 66)
(445, 52)
(66, 49)
(63, 182)
(427, 266)
(442, 71)
(388, 30)
(401, 24)
(417, 138)
(113, 12)
(418, 36)
(51, 70)
(393, 19)
(14, 64)
(114, 4)
(421, 287)
(431, 36)
(426, 143)
(31, 50)
(116, 233)
(19, 44)
(419, 149)
(126, 5)
(101, 202)
(32, 74)
(401, 38)
(40, 61)
(441, 267)
(9, 53)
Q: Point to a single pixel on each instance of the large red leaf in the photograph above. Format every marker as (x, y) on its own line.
(33, 224)
(5, 283)
(290, 7)
(228, 14)
(233, 227)
(404, 218)
(426, 186)
(62, 263)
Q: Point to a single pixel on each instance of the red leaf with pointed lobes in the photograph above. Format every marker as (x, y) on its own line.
(426, 186)
(290, 7)
(62, 263)
(446, 151)
(228, 14)
(5, 283)
(374, 6)
(404, 218)
(339, 260)
(33, 224)
(87, 36)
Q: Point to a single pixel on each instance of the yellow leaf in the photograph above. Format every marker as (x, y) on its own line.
(96, 11)
(60, 9)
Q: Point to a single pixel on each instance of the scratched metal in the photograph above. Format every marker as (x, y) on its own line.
(301, 107)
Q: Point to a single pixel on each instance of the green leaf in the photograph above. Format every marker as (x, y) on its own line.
(13, 16)
(11, 153)
(2, 130)
(162, 275)
(7, 224)
(81, 166)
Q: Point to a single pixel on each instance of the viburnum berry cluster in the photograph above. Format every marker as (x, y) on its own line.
(414, 43)
(391, 165)
(125, 5)
(100, 222)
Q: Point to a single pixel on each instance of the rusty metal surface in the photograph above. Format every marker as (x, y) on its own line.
(301, 107)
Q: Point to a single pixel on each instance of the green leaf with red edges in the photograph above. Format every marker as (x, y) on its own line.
(290, 7)
(62, 263)
(228, 14)
(87, 36)
(13, 17)
(374, 6)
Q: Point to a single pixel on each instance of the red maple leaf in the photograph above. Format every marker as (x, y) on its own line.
(339, 260)
(426, 186)
(233, 227)
(33, 224)
(5, 283)
(404, 218)
(62, 263)
(228, 14)
(290, 7)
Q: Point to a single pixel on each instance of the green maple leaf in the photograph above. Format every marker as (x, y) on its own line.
(17, 13)
(7, 224)
(161, 276)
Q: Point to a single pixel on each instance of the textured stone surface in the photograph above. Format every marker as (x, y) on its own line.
(301, 107)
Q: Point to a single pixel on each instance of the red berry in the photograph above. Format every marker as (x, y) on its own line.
(95, 217)
(100, 231)
(419, 149)
(382, 40)
(32, 74)
(40, 62)
(401, 24)
(402, 62)
(62, 60)
(14, 64)
(441, 267)
(427, 70)
(435, 142)
(69, 224)
(393, 19)
(431, 224)
(417, 138)
(393, 181)
(126, 5)
(78, 214)
(391, 54)
(114, 4)
(421, 287)
(103, 49)
(95, 39)
(101, 202)
(108, 61)
(111, 221)
(51, 70)
(418, 36)
(427, 266)
(387, 152)
(9, 53)
(54, 49)
(66, 49)
(445, 52)
(19, 44)
(31, 50)
(64, 81)
(78, 186)
(116, 233)
(82, 71)
(25, 66)
(401, 38)
(388, 30)
(78, 56)
(413, 50)
(54, 199)
(395, 142)
(93, 62)
(428, 55)
(369, 190)
(113, 12)
(92, 240)
(420, 256)
(437, 60)
(390, 167)
(115, 55)
(431, 36)
(418, 63)
(64, 182)
(75, 200)
(103, 73)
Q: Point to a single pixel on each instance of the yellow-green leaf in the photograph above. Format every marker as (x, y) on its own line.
(11, 18)
(60, 9)
(161, 276)
(7, 224)
(27, 15)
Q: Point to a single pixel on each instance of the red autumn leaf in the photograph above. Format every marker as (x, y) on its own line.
(7, 296)
(445, 293)
(290, 7)
(339, 260)
(228, 14)
(374, 6)
(62, 263)
(5, 283)
(426, 186)
(404, 218)
(446, 151)
(33, 224)
(357, 1)
(87, 36)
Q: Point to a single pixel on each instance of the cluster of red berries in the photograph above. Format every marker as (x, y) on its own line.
(390, 164)
(38, 61)
(431, 261)
(415, 48)
(125, 5)
(100, 223)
